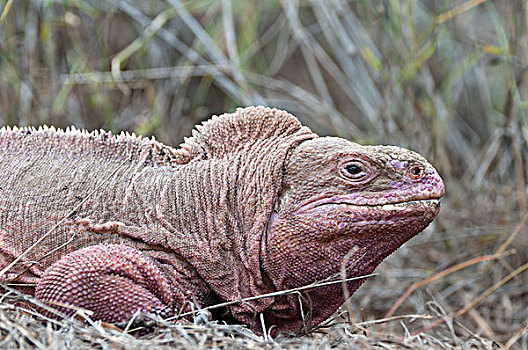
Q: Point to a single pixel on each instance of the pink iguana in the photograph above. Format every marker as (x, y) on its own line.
(252, 203)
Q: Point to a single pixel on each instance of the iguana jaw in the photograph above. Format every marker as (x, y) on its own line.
(339, 217)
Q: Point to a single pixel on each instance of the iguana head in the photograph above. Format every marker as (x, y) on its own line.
(342, 206)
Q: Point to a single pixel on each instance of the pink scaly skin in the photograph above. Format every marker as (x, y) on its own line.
(251, 204)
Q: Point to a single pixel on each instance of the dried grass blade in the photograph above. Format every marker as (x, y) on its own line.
(437, 276)
(5, 12)
(477, 300)
(458, 10)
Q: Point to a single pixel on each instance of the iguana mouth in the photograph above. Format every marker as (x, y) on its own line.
(390, 206)
(353, 202)
(382, 213)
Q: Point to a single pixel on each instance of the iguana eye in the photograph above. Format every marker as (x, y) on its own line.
(355, 171)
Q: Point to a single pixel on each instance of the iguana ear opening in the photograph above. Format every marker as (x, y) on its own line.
(229, 134)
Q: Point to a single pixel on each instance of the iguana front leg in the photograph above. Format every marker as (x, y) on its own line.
(113, 281)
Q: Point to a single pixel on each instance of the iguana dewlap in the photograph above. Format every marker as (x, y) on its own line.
(252, 203)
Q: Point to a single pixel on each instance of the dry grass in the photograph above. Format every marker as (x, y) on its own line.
(20, 330)
(445, 78)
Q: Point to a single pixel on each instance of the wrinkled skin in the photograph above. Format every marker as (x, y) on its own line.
(342, 203)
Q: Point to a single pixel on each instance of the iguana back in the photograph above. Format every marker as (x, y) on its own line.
(87, 182)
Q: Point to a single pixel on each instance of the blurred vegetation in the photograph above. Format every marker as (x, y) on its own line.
(451, 86)
(445, 78)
